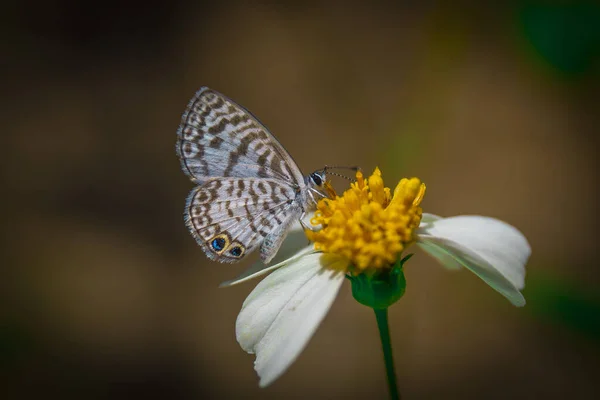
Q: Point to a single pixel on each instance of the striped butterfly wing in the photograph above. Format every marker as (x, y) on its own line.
(248, 183)
(219, 138)
(231, 217)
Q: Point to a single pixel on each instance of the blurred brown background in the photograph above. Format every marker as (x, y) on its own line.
(106, 295)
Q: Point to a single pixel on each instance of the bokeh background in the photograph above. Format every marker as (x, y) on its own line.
(105, 294)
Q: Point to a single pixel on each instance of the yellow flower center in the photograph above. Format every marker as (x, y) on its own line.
(368, 225)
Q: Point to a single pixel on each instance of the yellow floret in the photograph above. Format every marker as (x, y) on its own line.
(367, 225)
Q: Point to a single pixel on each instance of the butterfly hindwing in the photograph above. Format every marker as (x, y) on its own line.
(230, 217)
(219, 138)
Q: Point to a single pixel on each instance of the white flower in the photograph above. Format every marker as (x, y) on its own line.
(283, 311)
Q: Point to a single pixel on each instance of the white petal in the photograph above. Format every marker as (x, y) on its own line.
(281, 314)
(492, 249)
(442, 256)
(258, 268)
(427, 218)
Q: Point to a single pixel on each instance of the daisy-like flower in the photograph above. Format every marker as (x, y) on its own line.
(363, 234)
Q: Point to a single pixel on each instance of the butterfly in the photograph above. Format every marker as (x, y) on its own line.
(250, 191)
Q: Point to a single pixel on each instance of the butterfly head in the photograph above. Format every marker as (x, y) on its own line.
(317, 180)
(318, 187)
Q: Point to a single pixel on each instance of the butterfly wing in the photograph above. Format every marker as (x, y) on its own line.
(231, 217)
(249, 184)
(218, 138)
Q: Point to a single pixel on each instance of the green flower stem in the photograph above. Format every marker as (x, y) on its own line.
(386, 344)
(379, 291)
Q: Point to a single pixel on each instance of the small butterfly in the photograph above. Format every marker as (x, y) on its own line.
(250, 190)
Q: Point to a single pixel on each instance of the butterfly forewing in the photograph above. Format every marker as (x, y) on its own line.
(218, 138)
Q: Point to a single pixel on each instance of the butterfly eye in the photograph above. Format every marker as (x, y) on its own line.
(317, 180)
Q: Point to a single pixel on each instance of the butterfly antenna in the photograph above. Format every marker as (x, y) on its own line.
(328, 167)
(341, 176)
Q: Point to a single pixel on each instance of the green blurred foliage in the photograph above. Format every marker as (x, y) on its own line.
(566, 36)
(568, 304)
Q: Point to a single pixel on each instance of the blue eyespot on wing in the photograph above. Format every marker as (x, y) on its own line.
(218, 244)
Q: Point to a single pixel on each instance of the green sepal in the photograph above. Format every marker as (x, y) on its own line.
(382, 288)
